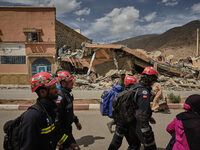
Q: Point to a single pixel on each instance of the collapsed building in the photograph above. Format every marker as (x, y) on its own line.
(103, 60)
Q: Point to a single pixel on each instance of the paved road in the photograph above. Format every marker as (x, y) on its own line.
(24, 94)
(95, 135)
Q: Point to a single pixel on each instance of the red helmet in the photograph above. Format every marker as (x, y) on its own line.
(42, 79)
(64, 75)
(150, 71)
(130, 80)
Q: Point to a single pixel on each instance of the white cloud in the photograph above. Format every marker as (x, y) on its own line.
(119, 22)
(62, 6)
(164, 1)
(80, 19)
(196, 8)
(150, 16)
(170, 2)
(85, 11)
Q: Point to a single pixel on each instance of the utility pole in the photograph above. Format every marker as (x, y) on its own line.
(197, 52)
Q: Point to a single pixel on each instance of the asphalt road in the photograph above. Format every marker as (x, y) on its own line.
(95, 134)
(26, 94)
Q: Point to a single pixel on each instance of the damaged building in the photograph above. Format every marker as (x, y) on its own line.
(104, 60)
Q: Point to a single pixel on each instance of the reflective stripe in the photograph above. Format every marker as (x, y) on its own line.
(48, 129)
(121, 135)
(150, 144)
(63, 139)
(145, 129)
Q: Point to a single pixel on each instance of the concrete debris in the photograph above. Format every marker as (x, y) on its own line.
(100, 64)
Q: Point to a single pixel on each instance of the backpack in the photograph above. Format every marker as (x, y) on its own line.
(124, 105)
(11, 129)
(106, 100)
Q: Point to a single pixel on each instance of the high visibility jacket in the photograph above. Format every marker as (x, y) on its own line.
(39, 130)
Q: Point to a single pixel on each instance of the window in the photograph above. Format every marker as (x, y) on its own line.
(33, 37)
(32, 34)
(41, 65)
(13, 59)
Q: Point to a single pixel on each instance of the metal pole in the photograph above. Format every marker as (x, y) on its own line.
(197, 52)
(115, 59)
(91, 62)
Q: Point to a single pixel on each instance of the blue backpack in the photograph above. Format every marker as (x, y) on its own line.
(106, 100)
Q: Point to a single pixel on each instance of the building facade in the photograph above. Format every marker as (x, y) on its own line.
(28, 42)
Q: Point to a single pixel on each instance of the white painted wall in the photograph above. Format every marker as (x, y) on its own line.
(10, 49)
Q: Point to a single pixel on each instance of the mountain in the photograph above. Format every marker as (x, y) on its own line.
(179, 41)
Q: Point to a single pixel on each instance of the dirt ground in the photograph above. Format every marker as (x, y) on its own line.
(29, 102)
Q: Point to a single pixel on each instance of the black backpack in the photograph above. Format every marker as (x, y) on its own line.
(11, 129)
(124, 106)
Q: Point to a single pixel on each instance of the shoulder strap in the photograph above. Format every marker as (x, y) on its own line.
(41, 109)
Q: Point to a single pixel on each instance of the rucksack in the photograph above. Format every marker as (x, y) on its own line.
(11, 129)
(124, 105)
(106, 100)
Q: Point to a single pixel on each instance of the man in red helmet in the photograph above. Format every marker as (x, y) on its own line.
(39, 130)
(138, 130)
(65, 107)
(129, 81)
(144, 112)
(127, 130)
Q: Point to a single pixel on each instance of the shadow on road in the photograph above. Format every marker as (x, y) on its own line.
(88, 140)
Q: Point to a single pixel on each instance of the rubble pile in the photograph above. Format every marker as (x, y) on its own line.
(175, 83)
(99, 65)
(84, 82)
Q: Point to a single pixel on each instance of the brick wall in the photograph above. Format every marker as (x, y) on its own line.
(69, 37)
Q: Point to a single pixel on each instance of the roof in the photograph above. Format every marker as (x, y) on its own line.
(26, 7)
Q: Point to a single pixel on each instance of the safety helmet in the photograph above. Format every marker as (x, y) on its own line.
(44, 79)
(150, 71)
(130, 80)
(64, 75)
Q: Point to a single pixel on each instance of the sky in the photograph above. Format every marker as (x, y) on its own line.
(106, 21)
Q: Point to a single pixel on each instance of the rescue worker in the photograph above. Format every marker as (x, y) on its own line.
(66, 111)
(139, 131)
(39, 130)
(144, 112)
(128, 82)
(127, 130)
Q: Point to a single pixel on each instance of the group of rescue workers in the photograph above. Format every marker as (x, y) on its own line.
(51, 125)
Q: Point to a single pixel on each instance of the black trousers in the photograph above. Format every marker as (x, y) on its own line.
(129, 131)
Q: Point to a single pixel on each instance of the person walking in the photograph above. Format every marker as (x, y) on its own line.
(185, 128)
(66, 111)
(39, 130)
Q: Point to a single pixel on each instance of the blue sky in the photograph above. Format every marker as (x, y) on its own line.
(106, 21)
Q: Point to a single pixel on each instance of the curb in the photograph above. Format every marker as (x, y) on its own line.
(76, 107)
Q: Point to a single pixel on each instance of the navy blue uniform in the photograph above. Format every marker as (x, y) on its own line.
(143, 115)
(66, 114)
(39, 130)
(139, 129)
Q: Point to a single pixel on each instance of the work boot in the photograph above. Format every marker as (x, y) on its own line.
(110, 124)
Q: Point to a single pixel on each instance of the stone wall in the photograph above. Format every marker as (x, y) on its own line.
(69, 37)
(14, 79)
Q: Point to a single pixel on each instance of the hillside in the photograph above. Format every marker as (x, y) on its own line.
(179, 41)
